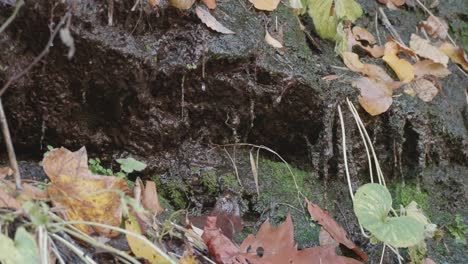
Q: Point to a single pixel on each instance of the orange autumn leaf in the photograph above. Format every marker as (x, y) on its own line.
(83, 195)
(376, 95)
(403, 69)
(334, 229)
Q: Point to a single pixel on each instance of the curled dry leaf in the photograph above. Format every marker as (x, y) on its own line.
(403, 69)
(271, 41)
(361, 34)
(218, 245)
(428, 67)
(210, 21)
(267, 5)
(211, 4)
(7, 200)
(435, 27)
(351, 60)
(376, 95)
(424, 89)
(424, 49)
(86, 196)
(150, 199)
(333, 228)
(456, 54)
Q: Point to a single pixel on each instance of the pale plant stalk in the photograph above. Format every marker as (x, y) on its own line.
(137, 236)
(78, 252)
(55, 251)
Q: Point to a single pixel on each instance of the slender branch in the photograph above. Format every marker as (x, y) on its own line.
(12, 17)
(9, 146)
(38, 58)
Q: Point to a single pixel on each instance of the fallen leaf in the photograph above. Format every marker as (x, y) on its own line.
(456, 54)
(435, 27)
(428, 67)
(153, 3)
(211, 4)
(333, 228)
(150, 199)
(5, 171)
(182, 4)
(424, 89)
(376, 96)
(140, 248)
(330, 77)
(375, 51)
(351, 60)
(424, 49)
(361, 34)
(210, 21)
(267, 5)
(271, 41)
(86, 197)
(326, 239)
(400, 47)
(403, 69)
(218, 245)
(6, 200)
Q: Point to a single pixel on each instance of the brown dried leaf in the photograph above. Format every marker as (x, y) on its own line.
(333, 228)
(375, 51)
(361, 34)
(150, 199)
(424, 89)
(5, 171)
(6, 198)
(218, 245)
(211, 21)
(435, 27)
(376, 96)
(211, 4)
(402, 68)
(153, 3)
(267, 5)
(424, 49)
(456, 54)
(86, 196)
(428, 67)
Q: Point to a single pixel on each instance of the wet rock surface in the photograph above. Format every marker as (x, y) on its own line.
(161, 86)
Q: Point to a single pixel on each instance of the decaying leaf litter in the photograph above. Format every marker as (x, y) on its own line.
(94, 205)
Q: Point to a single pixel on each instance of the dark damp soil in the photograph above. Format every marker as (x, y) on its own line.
(160, 86)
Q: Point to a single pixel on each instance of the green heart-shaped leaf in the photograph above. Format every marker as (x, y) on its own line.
(372, 203)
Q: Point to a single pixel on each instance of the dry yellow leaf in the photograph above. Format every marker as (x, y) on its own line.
(435, 27)
(428, 67)
(361, 34)
(351, 60)
(267, 5)
(424, 89)
(85, 196)
(456, 54)
(403, 69)
(424, 49)
(139, 247)
(376, 96)
(271, 41)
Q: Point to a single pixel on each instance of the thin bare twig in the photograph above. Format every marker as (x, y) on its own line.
(12, 17)
(9, 146)
(38, 58)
